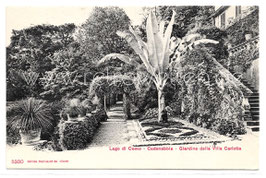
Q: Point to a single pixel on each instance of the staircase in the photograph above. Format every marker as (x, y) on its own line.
(252, 115)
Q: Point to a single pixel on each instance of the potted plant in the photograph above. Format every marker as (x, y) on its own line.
(30, 117)
(73, 113)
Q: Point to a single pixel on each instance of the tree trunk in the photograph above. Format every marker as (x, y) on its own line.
(126, 106)
(161, 104)
(104, 103)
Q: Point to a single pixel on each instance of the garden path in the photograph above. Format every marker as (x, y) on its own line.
(114, 130)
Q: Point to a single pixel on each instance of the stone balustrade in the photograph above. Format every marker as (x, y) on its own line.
(251, 43)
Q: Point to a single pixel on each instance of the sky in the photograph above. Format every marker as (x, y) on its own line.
(22, 17)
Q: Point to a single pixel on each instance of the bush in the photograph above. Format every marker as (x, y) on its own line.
(101, 115)
(150, 114)
(56, 108)
(30, 114)
(12, 136)
(77, 135)
(74, 108)
(229, 127)
(210, 95)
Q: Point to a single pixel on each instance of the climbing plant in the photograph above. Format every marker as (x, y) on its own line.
(116, 84)
(210, 99)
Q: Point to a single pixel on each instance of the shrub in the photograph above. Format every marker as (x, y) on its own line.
(229, 127)
(77, 135)
(211, 94)
(12, 136)
(101, 115)
(56, 108)
(150, 113)
(30, 114)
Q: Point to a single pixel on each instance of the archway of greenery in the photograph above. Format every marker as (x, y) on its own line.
(105, 87)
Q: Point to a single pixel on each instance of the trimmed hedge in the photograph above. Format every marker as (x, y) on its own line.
(76, 135)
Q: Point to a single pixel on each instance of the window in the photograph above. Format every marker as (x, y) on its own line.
(223, 20)
(238, 10)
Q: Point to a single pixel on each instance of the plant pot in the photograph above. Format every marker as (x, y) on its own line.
(248, 36)
(31, 136)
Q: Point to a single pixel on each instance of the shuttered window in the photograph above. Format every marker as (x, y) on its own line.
(238, 10)
(223, 20)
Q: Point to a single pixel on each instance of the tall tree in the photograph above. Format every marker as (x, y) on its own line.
(97, 36)
(187, 17)
(158, 53)
(30, 51)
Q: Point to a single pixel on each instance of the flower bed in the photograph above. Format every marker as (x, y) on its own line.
(176, 131)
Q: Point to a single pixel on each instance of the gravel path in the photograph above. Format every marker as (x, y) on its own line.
(112, 132)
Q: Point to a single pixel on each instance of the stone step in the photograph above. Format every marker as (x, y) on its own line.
(255, 112)
(116, 116)
(253, 123)
(255, 117)
(255, 129)
(254, 109)
(254, 104)
(253, 97)
(253, 100)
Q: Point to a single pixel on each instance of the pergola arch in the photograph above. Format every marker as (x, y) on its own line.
(104, 86)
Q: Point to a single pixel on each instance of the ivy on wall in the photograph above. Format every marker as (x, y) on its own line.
(249, 24)
(244, 58)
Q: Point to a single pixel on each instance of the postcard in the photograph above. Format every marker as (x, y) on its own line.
(132, 87)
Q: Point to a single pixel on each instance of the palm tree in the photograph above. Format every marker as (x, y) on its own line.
(158, 53)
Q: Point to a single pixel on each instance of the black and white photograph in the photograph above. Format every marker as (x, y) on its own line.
(132, 87)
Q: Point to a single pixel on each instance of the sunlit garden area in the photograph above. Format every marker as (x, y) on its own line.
(174, 78)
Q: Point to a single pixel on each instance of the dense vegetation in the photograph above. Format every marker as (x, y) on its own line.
(178, 67)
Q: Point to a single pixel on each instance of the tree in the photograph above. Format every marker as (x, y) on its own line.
(97, 36)
(187, 17)
(32, 47)
(218, 51)
(30, 51)
(158, 53)
(71, 74)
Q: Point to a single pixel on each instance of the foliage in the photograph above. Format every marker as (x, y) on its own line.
(78, 134)
(158, 53)
(218, 51)
(208, 95)
(97, 36)
(30, 50)
(55, 109)
(113, 84)
(12, 136)
(250, 23)
(46, 145)
(17, 87)
(30, 114)
(150, 113)
(101, 115)
(187, 17)
(70, 77)
(243, 58)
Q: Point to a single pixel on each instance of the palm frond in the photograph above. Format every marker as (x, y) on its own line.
(31, 114)
(118, 56)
